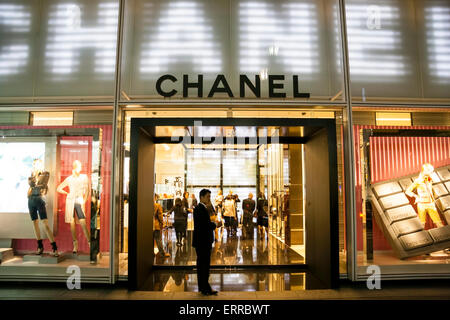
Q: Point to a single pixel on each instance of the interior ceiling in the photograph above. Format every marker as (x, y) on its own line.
(211, 132)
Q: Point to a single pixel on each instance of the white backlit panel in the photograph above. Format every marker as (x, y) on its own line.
(437, 26)
(182, 35)
(375, 41)
(81, 37)
(282, 36)
(239, 167)
(203, 167)
(16, 162)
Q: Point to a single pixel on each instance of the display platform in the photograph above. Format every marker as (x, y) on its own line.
(6, 254)
(36, 267)
(399, 219)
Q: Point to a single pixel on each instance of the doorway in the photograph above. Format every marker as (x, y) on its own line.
(284, 168)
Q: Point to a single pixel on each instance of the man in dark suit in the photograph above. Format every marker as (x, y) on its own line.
(202, 242)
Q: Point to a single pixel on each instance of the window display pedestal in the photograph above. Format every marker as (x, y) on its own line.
(79, 257)
(43, 259)
(6, 254)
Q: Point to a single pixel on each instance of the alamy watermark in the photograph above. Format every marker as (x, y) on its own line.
(374, 280)
(74, 280)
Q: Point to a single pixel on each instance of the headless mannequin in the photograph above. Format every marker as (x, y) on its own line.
(81, 198)
(38, 187)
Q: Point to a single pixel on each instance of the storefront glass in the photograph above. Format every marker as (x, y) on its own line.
(236, 167)
(398, 50)
(232, 49)
(60, 49)
(56, 185)
(403, 193)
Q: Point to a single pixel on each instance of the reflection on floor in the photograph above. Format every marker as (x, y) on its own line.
(226, 281)
(230, 251)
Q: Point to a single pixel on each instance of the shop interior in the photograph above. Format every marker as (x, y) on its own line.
(249, 162)
(256, 172)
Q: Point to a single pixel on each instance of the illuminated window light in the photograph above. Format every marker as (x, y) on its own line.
(184, 36)
(51, 118)
(69, 34)
(393, 119)
(287, 35)
(374, 52)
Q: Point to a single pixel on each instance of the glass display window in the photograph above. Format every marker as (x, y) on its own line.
(402, 198)
(57, 180)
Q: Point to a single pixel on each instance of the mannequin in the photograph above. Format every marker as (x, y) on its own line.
(424, 197)
(38, 182)
(75, 202)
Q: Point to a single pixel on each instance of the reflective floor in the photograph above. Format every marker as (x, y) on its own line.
(226, 281)
(230, 251)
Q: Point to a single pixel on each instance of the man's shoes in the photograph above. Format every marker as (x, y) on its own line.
(209, 293)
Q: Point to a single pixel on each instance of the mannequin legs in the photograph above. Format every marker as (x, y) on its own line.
(37, 230)
(262, 232)
(423, 208)
(50, 236)
(74, 233)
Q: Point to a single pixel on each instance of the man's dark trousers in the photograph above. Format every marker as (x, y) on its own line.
(203, 265)
(202, 240)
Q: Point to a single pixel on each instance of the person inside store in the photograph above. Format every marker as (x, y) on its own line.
(203, 239)
(262, 217)
(236, 214)
(187, 204)
(248, 209)
(179, 221)
(185, 201)
(193, 202)
(158, 227)
(218, 205)
(229, 214)
(213, 217)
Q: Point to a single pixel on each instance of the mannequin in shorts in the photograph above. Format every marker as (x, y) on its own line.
(38, 182)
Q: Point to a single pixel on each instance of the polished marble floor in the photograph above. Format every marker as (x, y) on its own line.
(231, 251)
(178, 281)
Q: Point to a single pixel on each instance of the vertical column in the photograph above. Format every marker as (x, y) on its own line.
(117, 143)
(295, 195)
(350, 205)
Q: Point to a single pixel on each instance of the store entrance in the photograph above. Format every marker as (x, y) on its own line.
(270, 182)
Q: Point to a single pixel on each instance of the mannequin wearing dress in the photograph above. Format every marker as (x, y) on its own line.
(75, 201)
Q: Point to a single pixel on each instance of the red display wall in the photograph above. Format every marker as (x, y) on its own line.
(71, 149)
(394, 157)
(83, 152)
